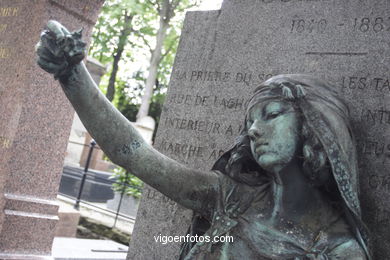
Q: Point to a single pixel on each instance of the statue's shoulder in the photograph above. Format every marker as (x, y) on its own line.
(235, 197)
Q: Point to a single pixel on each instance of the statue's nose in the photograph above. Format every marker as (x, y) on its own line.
(254, 133)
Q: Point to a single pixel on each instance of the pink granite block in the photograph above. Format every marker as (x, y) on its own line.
(69, 219)
(35, 122)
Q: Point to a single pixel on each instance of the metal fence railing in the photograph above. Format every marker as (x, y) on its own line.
(91, 187)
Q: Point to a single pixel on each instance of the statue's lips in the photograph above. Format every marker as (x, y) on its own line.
(261, 148)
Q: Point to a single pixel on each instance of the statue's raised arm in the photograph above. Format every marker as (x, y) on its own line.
(61, 53)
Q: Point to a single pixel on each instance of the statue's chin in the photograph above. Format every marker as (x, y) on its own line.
(272, 163)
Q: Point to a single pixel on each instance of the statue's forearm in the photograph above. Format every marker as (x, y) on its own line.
(125, 147)
(59, 53)
(102, 120)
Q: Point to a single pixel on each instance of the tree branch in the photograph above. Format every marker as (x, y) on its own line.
(155, 3)
(169, 48)
(174, 4)
(144, 40)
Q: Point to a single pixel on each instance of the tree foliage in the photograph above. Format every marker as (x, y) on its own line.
(125, 39)
(141, 40)
(127, 183)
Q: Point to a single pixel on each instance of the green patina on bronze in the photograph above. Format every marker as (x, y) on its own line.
(287, 189)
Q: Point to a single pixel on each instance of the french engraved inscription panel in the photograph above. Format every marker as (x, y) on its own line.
(344, 42)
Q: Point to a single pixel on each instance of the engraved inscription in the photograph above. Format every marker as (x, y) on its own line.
(360, 83)
(230, 103)
(375, 116)
(182, 150)
(155, 195)
(160, 198)
(382, 216)
(372, 24)
(377, 182)
(5, 53)
(264, 76)
(5, 142)
(215, 154)
(202, 126)
(243, 77)
(378, 149)
(190, 151)
(217, 76)
(367, 24)
(208, 76)
(193, 125)
(9, 11)
(309, 25)
(3, 27)
(382, 85)
(181, 99)
(235, 103)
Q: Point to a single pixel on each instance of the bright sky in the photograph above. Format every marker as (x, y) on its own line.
(210, 5)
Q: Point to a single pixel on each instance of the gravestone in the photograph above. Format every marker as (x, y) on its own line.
(157, 214)
(35, 122)
(224, 55)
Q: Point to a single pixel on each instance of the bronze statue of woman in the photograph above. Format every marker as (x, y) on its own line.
(287, 189)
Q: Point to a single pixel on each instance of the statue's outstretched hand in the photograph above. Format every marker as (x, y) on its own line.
(59, 50)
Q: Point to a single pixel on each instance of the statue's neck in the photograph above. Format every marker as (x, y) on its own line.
(293, 195)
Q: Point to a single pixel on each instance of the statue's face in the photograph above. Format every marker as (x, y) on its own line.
(274, 130)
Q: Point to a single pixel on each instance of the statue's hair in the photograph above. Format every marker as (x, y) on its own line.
(315, 164)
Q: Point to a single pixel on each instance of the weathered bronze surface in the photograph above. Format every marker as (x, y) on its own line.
(287, 189)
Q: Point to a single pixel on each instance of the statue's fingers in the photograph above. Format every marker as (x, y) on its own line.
(50, 66)
(46, 54)
(57, 29)
(48, 41)
(65, 31)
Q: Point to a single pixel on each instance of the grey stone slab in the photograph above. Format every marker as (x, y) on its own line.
(159, 215)
(345, 42)
(224, 55)
(128, 205)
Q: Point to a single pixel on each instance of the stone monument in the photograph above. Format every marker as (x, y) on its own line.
(224, 55)
(34, 126)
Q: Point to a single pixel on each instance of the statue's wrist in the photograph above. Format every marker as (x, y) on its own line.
(69, 75)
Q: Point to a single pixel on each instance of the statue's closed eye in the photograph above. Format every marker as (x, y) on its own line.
(273, 115)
